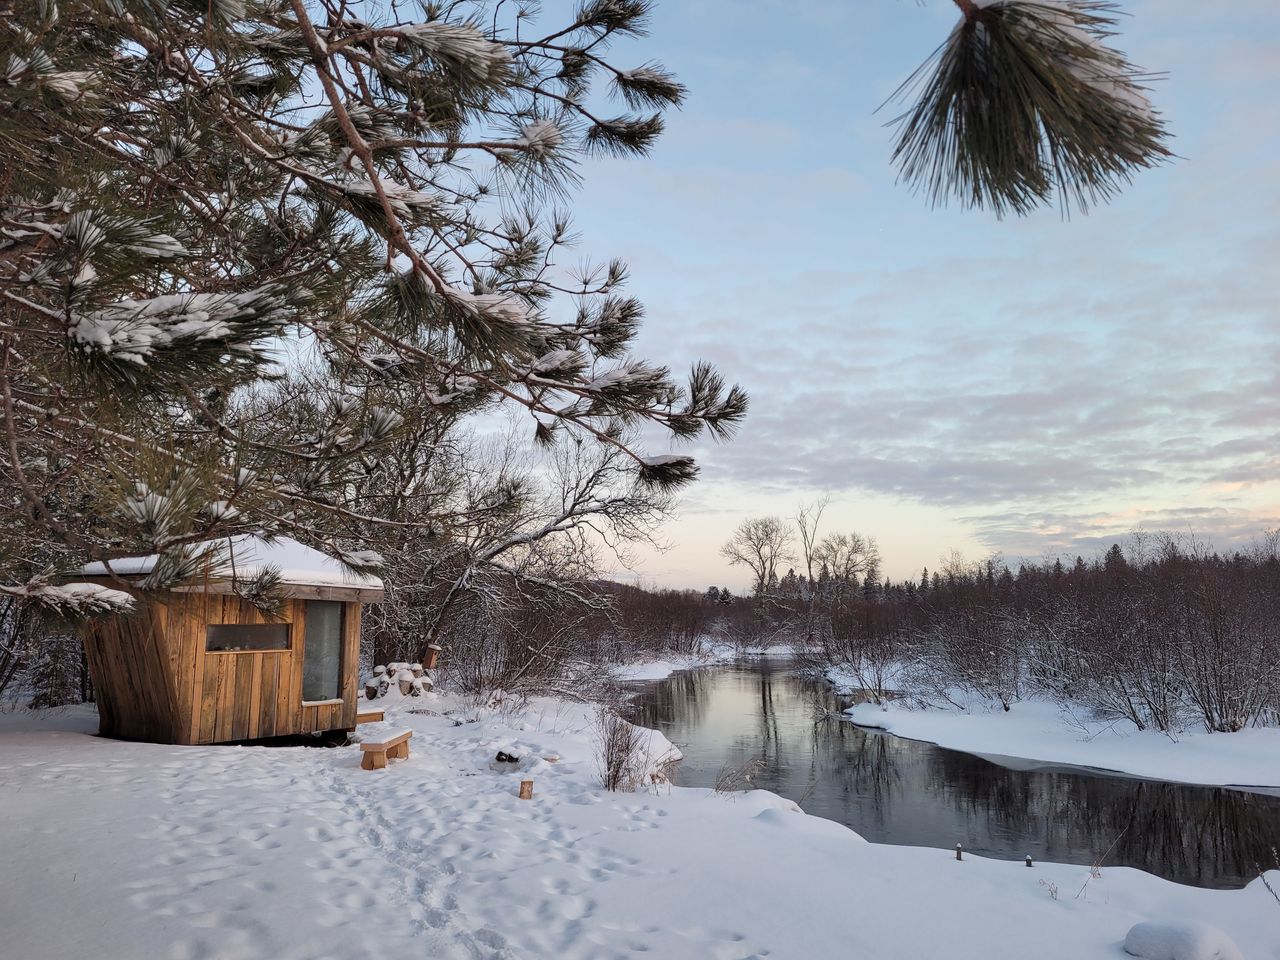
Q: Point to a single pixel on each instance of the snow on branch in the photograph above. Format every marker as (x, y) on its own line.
(71, 599)
(540, 137)
(135, 331)
(460, 49)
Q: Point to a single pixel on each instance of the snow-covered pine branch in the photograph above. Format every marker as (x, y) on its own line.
(70, 599)
(262, 250)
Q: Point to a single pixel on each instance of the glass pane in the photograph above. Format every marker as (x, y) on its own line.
(226, 637)
(322, 651)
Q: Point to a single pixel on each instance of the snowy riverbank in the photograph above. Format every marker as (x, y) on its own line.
(1037, 731)
(710, 653)
(124, 850)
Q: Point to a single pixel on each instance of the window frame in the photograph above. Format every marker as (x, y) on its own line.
(288, 637)
(343, 613)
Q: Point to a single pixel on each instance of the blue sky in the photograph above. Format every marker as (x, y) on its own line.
(950, 380)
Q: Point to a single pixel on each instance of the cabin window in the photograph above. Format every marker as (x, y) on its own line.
(322, 651)
(238, 637)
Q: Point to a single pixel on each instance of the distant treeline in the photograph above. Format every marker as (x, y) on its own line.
(1165, 634)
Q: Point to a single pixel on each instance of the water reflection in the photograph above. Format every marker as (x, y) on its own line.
(901, 791)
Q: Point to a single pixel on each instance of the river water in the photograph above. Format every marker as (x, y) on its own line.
(892, 790)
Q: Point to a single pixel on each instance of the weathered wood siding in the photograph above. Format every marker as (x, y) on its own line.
(155, 680)
(132, 678)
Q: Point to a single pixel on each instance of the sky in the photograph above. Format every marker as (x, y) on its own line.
(1029, 387)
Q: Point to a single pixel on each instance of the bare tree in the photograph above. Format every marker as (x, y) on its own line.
(760, 544)
(848, 554)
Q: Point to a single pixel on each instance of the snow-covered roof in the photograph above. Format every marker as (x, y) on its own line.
(246, 555)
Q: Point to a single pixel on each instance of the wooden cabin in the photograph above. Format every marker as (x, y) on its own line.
(201, 665)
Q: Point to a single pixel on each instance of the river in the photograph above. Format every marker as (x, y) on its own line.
(893, 790)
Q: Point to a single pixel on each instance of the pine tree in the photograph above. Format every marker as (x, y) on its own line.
(1114, 562)
(1026, 102)
(789, 586)
(177, 205)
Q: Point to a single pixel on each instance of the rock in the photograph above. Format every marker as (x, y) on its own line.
(1180, 940)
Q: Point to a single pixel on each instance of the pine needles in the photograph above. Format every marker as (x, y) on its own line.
(1025, 101)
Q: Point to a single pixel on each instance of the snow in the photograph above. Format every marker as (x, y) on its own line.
(620, 375)
(540, 137)
(1180, 940)
(117, 850)
(133, 330)
(665, 459)
(80, 598)
(655, 669)
(1039, 730)
(247, 555)
(1087, 57)
(381, 731)
(472, 50)
(404, 201)
(847, 681)
(502, 307)
(556, 360)
(709, 652)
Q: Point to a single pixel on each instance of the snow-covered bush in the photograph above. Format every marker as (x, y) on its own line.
(1180, 940)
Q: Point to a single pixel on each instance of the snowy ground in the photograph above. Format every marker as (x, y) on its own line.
(1039, 731)
(124, 850)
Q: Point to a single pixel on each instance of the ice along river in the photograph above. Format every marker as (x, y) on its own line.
(892, 790)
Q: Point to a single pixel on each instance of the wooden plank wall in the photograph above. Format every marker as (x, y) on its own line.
(132, 677)
(248, 695)
(155, 680)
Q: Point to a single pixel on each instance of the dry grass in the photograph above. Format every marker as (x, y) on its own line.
(735, 779)
(621, 755)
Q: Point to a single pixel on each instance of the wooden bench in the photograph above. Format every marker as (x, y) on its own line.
(377, 750)
(370, 715)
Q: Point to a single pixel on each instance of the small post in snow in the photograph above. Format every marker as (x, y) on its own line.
(959, 852)
(1028, 859)
(526, 789)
